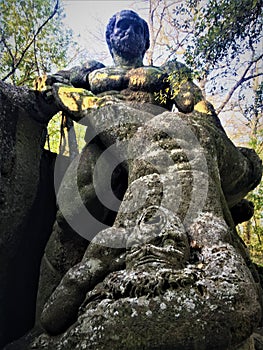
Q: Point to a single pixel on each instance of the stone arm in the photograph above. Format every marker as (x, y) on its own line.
(183, 92)
(34, 104)
(100, 259)
(76, 76)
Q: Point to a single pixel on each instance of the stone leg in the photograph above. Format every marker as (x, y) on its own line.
(80, 217)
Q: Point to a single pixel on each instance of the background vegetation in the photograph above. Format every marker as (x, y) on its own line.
(221, 40)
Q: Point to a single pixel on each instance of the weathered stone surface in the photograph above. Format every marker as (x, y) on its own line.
(165, 268)
(258, 339)
(23, 122)
(170, 273)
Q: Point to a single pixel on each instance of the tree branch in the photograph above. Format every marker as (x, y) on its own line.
(252, 76)
(8, 49)
(32, 41)
(242, 79)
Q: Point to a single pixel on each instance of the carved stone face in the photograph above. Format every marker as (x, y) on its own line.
(157, 258)
(127, 38)
(158, 242)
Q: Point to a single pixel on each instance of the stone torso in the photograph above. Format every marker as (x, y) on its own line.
(137, 84)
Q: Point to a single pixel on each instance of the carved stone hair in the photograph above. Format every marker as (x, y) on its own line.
(131, 14)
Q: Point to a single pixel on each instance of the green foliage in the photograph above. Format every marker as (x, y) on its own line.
(254, 111)
(54, 140)
(33, 40)
(252, 231)
(223, 28)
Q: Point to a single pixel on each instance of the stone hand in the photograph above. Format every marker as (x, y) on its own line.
(57, 78)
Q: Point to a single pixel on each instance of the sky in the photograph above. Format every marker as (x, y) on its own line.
(88, 20)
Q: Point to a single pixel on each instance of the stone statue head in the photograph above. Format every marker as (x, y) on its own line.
(127, 35)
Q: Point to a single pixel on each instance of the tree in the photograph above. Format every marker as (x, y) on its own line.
(226, 43)
(33, 40)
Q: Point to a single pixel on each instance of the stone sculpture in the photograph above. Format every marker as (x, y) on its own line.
(167, 270)
(138, 86)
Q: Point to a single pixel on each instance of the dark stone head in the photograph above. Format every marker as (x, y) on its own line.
(127, 34)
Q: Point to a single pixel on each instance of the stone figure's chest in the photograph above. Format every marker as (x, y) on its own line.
(149, 79)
